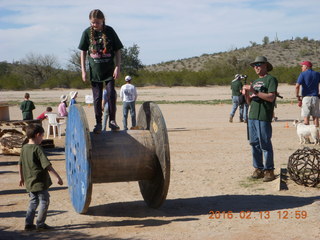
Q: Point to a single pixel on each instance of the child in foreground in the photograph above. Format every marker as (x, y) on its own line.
(34, 168)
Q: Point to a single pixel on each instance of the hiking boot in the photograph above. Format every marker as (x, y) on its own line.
(44, 227)
(97, 128)
(113, 125)
(241, 119)
(268, 176)
(231, 119)
(257, 173)
(29, 227)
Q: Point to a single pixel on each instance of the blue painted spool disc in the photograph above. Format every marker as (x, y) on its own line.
(78, 159)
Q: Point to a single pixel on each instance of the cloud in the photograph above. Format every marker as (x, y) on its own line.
(164, 30)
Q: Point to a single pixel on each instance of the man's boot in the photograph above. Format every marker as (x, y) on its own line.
(268, 176)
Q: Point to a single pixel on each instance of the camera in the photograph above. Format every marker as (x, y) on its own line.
(244, 77)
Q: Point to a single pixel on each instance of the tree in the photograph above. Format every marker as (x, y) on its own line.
(37, 69)
(253, 44)
(75, 61)
(265, 40)
(130, 63)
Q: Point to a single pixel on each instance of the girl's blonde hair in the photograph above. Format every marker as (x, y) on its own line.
(98, 14)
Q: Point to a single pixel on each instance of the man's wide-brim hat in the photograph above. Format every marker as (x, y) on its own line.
(262, 59)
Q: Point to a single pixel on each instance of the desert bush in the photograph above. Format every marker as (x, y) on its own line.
(11, 82)
(304, 52)
(285, 45)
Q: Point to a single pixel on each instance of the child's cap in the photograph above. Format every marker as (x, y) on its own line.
(128, 78)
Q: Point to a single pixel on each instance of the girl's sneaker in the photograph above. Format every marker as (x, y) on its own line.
(97, 128)
(113, 125)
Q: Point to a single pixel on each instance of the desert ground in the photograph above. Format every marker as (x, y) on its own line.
(211, 166)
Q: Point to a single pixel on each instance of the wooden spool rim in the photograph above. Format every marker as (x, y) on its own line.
(150, 118)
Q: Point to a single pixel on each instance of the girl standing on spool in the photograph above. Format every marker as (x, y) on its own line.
(102, 45)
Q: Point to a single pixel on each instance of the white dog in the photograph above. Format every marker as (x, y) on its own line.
(305, 131)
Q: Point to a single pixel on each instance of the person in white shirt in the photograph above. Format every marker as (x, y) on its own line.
(128, 94)
(105, 109)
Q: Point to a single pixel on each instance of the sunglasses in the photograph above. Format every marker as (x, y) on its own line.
(258, 64)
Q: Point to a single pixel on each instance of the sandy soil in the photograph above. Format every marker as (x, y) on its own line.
(210, 166)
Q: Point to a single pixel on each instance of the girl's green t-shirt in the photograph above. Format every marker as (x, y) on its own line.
(101, 52)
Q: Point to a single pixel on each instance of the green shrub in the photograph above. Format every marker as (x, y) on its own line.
(11, 82)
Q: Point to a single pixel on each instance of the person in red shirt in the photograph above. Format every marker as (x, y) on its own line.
(43, 116)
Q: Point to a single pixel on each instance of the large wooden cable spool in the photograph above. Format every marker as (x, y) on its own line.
(116, 156)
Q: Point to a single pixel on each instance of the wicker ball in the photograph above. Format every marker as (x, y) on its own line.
(304, 167)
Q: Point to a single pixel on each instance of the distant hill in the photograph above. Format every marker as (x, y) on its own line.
(281, 53)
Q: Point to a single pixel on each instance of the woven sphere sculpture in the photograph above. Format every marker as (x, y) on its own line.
(304, 167)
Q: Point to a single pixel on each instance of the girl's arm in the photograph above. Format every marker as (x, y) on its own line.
(116, 71)
(83, 57)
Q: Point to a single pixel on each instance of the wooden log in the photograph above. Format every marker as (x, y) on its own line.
(11, 141)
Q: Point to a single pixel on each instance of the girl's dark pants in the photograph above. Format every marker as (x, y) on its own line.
(97, 89)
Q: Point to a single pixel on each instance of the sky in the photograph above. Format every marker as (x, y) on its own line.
(164, 30)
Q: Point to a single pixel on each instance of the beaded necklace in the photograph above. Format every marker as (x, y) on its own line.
(93, 42)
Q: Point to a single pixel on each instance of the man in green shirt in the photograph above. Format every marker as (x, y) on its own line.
(261, 95)
(237, 98)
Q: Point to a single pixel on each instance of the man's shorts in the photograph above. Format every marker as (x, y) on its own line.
(310, 106)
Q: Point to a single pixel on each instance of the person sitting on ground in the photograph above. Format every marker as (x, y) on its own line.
(43, 116)
(62, 108)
